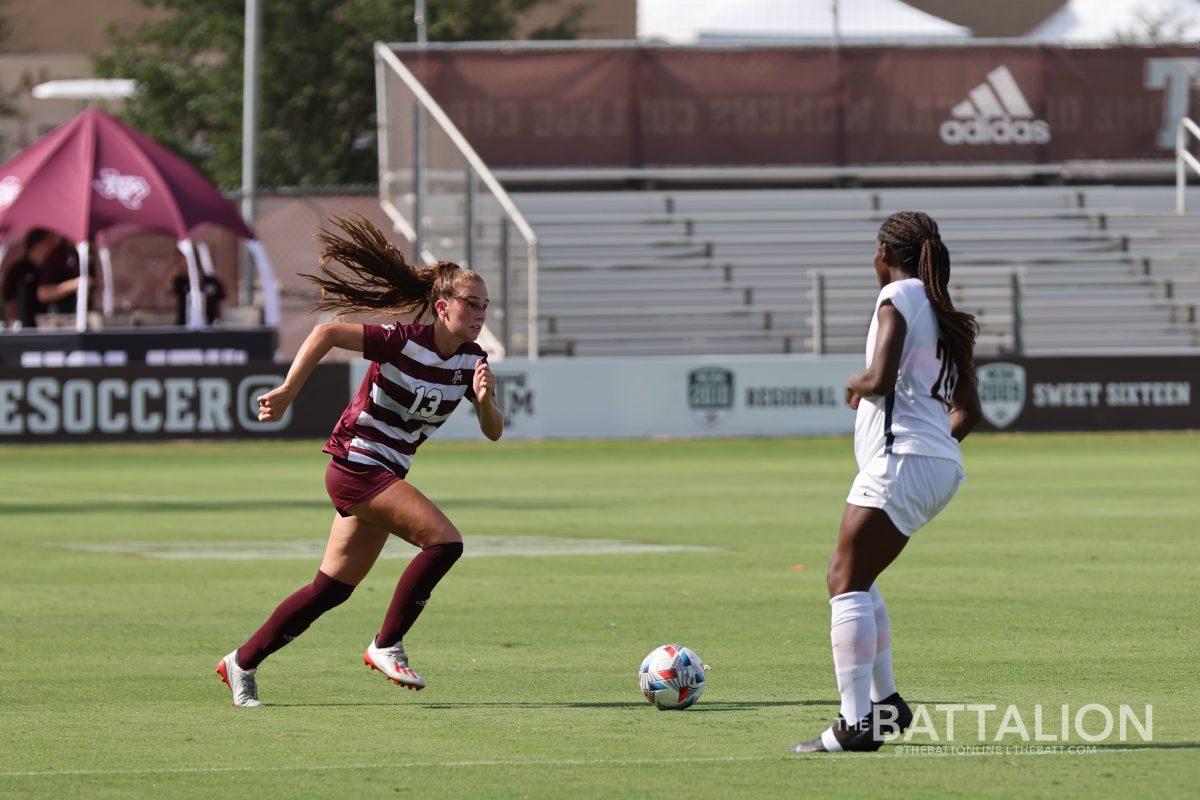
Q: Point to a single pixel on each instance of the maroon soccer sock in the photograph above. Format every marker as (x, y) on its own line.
(292, 618)
(416, 584)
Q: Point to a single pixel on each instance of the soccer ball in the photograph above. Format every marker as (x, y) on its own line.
(672, 677)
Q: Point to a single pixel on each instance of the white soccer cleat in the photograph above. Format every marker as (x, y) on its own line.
(240, 681)
(393, 663)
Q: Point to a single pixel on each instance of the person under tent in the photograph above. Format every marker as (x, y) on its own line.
(44, 280)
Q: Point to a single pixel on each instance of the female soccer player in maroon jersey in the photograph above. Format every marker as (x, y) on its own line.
(418, 375)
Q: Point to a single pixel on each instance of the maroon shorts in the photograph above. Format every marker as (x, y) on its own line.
(349, 483)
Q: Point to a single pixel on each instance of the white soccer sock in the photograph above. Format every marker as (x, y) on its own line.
(852, 632)
(883, 682)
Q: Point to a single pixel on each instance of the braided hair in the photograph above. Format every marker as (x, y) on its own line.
(374, 275)
(915, 238)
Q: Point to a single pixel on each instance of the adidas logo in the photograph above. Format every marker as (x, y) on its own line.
(995, 112)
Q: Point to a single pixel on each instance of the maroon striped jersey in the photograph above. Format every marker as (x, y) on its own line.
(408, 391)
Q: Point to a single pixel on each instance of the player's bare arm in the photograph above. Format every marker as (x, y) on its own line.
(323, 338)
(963, 419)
(880, 377)
(491, 418)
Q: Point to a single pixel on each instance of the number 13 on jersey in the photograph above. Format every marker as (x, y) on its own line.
(426, 403)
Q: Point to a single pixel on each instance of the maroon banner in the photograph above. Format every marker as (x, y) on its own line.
(1090, 393)
(672, 107)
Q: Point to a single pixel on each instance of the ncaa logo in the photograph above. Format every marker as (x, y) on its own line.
(1001, 392)
(710, 392)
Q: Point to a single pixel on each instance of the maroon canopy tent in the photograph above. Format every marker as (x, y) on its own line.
(94, 178)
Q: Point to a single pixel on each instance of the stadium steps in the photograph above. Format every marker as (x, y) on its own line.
(694, 271)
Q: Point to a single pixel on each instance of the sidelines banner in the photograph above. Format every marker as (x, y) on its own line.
(593, 398)
(798, 395)
(649, 397)
(1090, 393)
(797, 106)
(147, 403)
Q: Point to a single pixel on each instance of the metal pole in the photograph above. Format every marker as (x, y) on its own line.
(469, 218)
(818, 291)
(381, 122)
(1018, 323)
(250, 83)
(506, 305)
(419, 19)
(418, 180)
(1180, 171)
(419, 142)
(533, 347)
(837, 28)
(81, 293)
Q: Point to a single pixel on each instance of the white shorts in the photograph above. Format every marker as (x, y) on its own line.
(910, 489)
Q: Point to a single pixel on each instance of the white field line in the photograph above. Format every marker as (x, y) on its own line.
(476, 546)
(534, 762)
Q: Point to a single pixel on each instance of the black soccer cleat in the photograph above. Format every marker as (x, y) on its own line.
(854, 738)
(893, 723)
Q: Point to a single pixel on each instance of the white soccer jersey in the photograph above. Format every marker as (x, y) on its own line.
(914, 418)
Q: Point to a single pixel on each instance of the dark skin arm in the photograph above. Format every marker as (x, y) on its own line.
(963, 419)
(880, 377)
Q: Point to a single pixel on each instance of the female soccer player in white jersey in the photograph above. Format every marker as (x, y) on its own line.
(418, 375)
(915, 402)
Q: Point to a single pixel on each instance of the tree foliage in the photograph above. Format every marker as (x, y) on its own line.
(317, 111)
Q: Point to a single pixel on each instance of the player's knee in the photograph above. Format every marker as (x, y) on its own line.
(835, 575)
(447, 536)
(438, 535)
(840, 577)
(330, 591)
(450, 551)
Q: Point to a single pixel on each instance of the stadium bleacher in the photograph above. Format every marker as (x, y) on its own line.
(1053, 269)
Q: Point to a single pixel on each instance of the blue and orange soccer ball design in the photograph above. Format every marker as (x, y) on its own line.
(672, 677)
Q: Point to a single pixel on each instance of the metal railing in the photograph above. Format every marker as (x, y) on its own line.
(1013, 338)
(442, 198)
(1183, 160)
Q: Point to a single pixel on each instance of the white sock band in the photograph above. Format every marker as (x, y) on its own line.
(852, 633)
(883, 682)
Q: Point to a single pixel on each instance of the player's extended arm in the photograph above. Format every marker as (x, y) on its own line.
(963, 419)
(323, 338)
(880, 377)
(491, 418)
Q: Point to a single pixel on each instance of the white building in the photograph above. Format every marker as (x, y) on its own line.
(783, 21)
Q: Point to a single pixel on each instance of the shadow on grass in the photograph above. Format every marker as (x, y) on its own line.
(160, 506)
(514, 505)
(719, 705)
(200, 505)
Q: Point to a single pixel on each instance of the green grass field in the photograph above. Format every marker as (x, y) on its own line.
(1064, 572)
